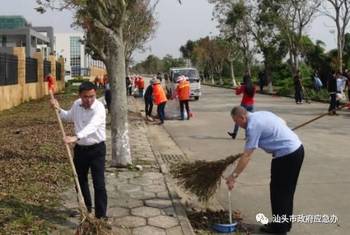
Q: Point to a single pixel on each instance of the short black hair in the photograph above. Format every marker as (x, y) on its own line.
(86, 86)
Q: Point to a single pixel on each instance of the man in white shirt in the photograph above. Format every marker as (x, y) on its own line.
(89, 118)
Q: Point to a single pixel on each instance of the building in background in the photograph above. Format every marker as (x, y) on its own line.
(15, 31)
(77, 62)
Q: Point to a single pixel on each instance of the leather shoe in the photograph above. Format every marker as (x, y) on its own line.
(270, 228)
(233, 135)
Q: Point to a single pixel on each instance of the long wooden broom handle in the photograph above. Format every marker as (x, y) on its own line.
(81, 203)
(318, 117)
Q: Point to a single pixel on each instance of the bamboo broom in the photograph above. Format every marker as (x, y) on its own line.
(88, 224)
(202, 178)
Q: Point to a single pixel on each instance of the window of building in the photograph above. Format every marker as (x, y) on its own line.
(75, 56)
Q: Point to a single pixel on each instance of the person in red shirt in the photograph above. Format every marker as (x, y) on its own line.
(248, 90)
(183, 94)
(159, 99)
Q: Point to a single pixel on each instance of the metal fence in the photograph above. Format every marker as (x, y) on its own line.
(47, 68)
(58, 71)
(31, 70)
(8, 69)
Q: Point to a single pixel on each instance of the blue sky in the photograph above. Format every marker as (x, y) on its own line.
(177, 24)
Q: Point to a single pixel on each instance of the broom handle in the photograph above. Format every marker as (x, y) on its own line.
(77, 185)
(318, 117)
(230, 206)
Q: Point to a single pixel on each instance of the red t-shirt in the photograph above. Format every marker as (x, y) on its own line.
(246, 100)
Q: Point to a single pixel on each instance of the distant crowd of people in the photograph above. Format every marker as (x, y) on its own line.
(336, 83)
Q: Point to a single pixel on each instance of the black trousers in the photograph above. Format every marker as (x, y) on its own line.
(92, 158)
(333, 103)
(161, 112)
(184, 104)
(108, 98)
(148, 107)
(298, 95)
(129, 90)
(284, 176)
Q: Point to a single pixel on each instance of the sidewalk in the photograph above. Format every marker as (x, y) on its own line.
(139, 202)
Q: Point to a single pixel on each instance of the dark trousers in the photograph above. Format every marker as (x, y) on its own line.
(92, 157)
(148, 107)
(284, 176)
(140, 92)
(298, 95)
(108, 98)
(261, 85)
(184, 104)
(129, 90)
(160, 111)
(332, 103)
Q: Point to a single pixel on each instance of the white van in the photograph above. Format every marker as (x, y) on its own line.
(194, 79)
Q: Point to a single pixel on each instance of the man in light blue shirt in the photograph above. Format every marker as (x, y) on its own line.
(267, 131)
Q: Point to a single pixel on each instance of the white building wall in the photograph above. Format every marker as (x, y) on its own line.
(62, 48)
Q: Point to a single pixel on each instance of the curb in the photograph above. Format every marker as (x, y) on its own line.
(175, 199)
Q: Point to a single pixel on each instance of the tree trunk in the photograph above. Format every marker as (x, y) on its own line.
(221, 80)
(268, 76)
(234, 83)
(121, 155)
(340, 53)
(212, 78)
(126, 68)
(293, 63)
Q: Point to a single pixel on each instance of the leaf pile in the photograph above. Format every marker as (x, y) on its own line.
(34, 166)
(202, 221)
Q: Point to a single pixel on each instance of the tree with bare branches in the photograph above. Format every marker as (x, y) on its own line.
(292, 17)
(339, 12)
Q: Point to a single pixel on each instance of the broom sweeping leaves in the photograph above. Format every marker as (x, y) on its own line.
(201, 177)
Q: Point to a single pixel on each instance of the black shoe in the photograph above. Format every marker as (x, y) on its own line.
(270, 228)
(233, 135)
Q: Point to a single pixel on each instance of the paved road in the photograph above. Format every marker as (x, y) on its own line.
(324, 183)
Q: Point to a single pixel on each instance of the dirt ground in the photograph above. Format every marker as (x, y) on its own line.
(33, 166)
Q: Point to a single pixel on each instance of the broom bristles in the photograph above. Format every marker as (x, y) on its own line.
(201, 177)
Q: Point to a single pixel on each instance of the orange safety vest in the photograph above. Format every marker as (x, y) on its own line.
(51, 83)
(183, 90)
(158, 94)
(141, 83)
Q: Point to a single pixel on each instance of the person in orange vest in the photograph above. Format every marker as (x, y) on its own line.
(141, 86)
(159, 98)
(183, 94)
(135, 85)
